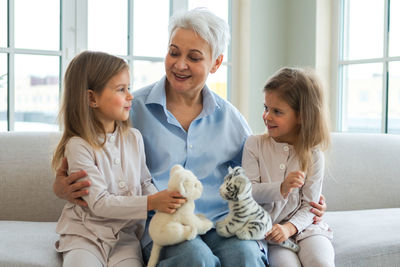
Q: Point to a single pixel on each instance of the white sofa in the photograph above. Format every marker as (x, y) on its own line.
(362, 187)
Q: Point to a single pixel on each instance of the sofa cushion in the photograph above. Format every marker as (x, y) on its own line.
(366, 237)
(26, 177)
(28, 244)
(361, 172)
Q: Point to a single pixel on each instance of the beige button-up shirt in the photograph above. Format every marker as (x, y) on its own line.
(267, 163)
(117, 201)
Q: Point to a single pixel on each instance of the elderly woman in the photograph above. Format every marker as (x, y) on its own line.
(183, 121)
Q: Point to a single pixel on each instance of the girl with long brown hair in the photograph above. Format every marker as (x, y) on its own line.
(98, 139)
(286, 167)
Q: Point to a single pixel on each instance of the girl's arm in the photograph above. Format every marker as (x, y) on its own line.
(262, 192)
(310, 192)
(101, 202)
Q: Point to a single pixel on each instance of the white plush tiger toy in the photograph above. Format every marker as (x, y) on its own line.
(246, 219)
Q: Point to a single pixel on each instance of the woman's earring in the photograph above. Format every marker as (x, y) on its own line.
(95, 105)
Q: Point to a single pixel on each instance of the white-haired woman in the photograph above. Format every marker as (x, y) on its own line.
(183, 122)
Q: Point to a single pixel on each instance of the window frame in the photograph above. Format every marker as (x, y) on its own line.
(11, 51)
(339, 63)
(73, 40)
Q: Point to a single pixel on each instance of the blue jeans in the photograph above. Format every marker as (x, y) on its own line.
(211, 250)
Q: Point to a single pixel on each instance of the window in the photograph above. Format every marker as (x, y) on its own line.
(29, 64)
(39, 38)
(369, 66)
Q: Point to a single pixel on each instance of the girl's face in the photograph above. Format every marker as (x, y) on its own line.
(281, 120)
(114, 102)
(188, 62)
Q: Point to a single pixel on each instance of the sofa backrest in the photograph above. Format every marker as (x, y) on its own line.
(362, 171)
(26, 177)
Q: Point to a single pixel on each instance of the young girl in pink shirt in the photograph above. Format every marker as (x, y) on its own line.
(286, 167)
(97, 138)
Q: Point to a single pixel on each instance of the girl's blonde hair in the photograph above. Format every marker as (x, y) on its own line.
(302, 90)
(88, 70)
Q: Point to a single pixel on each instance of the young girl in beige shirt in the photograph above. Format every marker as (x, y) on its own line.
(98, 139)
(286, 167)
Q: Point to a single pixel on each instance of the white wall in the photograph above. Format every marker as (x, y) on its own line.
(301, 33)
(269, 34)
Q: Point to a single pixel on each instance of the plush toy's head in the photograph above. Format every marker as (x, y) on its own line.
(185, 182)
(236, 185)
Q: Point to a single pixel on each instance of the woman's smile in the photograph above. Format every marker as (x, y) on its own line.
(181, 77)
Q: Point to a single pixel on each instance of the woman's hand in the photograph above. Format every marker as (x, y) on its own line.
(318, 209)
(165, 201)
(280, 233)
(66, 187)
(293, 180)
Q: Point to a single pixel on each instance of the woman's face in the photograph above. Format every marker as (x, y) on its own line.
(189, 61)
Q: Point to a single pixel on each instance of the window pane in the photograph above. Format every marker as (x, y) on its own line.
(37, 24)
(3, 23)
(394, 38)
(108, 26)
(36, 92)
(3, 92)
(146, 72)
(394, 98)
(218, 81)
(150, 32)
(219, 8)
(363, 29)
(362, 98)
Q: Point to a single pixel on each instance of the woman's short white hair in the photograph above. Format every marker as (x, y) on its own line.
(214, 30)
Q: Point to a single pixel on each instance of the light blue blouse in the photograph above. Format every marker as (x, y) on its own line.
(213, 142)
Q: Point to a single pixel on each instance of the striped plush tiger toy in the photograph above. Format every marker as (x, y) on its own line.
(246, 219)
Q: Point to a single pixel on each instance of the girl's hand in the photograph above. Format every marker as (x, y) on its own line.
(165, 201)
(318, 209)
(280, 233)
(293, 180)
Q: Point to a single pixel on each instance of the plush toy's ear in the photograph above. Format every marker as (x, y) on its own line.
(175, 168)
(238, 171)
(182, 188)
(230, 169)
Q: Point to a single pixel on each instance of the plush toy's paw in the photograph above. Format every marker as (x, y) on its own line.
(243, 234)
(190, 232)
(204, 224)
(222, 230)
(219, 225)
